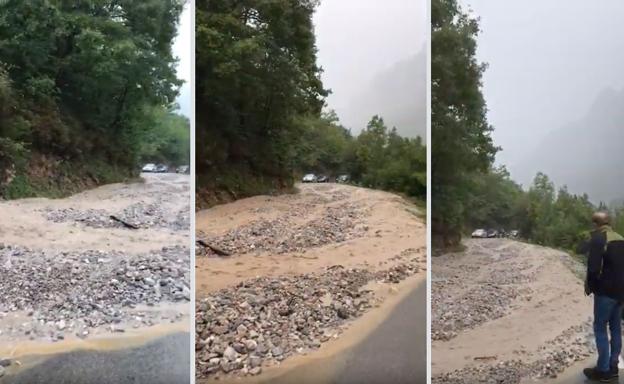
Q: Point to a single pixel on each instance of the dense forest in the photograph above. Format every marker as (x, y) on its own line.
(468, 191)
(86, 93)
(260, 100)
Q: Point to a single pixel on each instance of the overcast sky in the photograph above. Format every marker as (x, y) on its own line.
(182, 49)
(359, 39)
(548, 61)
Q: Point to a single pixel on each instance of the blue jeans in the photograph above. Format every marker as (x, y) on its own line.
(607, 311)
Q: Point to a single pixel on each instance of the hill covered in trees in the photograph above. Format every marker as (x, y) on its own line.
(86, 93)
(260, 118)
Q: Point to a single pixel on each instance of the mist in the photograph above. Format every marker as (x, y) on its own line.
(374, 61)
(554, 90)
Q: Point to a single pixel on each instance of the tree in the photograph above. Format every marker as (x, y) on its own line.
(257, 77)
(461, 142)
(82, 76)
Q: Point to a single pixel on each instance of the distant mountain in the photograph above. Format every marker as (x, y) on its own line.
(398, 94)
(588, 155)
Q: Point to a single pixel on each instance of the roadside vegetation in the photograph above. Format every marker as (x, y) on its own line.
(261, 121)
(86, 93)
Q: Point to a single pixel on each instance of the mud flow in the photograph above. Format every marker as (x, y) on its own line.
(507, 312)
(103, 270)
(286, 282)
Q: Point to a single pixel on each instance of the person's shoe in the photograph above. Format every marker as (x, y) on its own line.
(603, 377)
(614, 372)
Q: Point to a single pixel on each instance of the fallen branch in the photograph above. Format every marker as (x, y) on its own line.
(125, 224)
(214, 248)
(485, 357)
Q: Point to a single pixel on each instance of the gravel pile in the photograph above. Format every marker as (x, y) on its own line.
(77, 291)
(96, 218)
(263, 321)
(141, 215)
(459, 301)
(451, 314)
(573, 345)
(281, 235)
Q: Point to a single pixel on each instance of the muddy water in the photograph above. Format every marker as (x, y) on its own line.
(392, 226)
(24, 224)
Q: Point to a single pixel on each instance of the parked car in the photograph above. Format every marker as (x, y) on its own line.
(514, 234)
(149, 168)
(342, 179)
(322, 179)
(183, 169)
(161, 168)
(492, 233)
(479, 234)
(309, 178)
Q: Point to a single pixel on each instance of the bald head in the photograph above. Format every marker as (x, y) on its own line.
(600, 218)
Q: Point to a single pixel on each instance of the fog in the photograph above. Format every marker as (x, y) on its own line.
(372, 53)
(182, 49)
(553, 88)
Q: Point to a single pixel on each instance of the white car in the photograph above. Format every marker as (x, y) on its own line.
(480, 233)
(309, 178)
(149, 168)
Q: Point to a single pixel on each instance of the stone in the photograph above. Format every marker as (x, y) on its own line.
(230, 353)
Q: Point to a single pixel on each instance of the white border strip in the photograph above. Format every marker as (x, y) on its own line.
(192, 193)
(429, 181)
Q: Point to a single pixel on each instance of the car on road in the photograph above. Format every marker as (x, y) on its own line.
(479, 234)
(322, 179)
(342, 179)
(491, 233)
(183, 169)
(149, 168)
(161, 168)
(514, 234)
(309, 178)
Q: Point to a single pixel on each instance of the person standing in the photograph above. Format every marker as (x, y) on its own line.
(605, 279)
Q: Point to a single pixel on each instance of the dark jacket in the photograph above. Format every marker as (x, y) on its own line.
(605, 266)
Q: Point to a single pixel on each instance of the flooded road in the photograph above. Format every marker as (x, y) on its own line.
(507, 311)
(353, 263)
(394, 352)
(79, 286)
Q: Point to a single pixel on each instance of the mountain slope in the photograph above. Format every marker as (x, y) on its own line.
(586, 155)
(398, 94)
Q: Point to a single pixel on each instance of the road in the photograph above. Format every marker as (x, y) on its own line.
(507, 311)
(323, 244)
(73, 279)
(395, 352)
(163, 361)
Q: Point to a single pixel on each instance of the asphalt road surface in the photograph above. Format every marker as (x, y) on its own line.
(395, 352)
(163, 361)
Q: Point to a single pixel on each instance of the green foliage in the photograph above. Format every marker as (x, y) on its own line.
(77, 77)
(376, 158)
(259, 107)
(257, 77)
(542, 214)
(460, 135)
(495, 200)
(167, 137)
